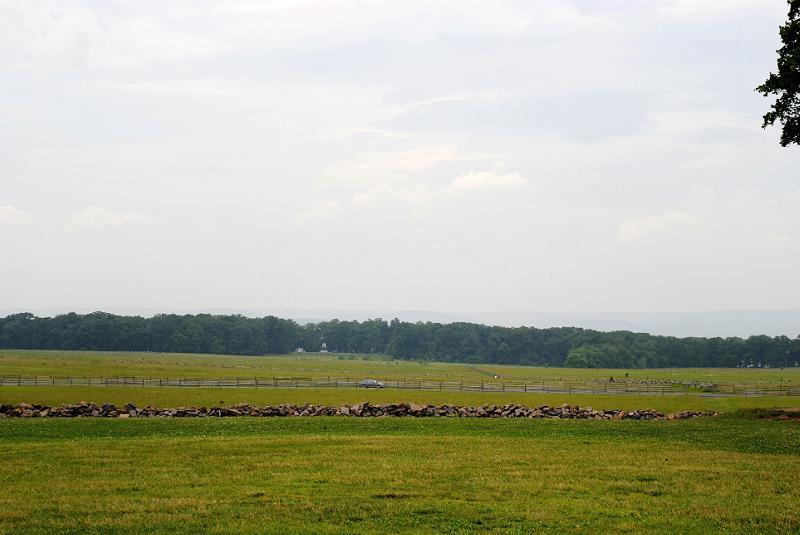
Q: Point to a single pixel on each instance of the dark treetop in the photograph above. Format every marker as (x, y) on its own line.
(453, 342)
(786, 83)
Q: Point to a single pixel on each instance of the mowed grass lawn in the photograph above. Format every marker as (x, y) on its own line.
(109, 364)
(386, 475)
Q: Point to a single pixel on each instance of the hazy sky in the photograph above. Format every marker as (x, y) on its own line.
(439, 155)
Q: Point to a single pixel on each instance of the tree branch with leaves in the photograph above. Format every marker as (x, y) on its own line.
(786, 83)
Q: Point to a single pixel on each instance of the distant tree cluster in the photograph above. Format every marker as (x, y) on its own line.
(201, 333)
(453, 342)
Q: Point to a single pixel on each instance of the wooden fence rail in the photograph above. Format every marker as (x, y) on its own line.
(541, 386)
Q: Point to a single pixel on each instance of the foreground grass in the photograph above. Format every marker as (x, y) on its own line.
(107, 364)
(183, 397)
(334, 475)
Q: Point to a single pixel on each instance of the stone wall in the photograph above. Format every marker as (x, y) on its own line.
(108, 410)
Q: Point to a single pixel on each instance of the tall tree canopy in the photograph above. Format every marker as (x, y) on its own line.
(454, 342)
(786, 83)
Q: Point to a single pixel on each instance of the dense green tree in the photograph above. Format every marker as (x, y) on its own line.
(785, 84)
(455, 342)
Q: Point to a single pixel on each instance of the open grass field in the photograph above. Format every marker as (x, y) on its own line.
(731, 473)
(82, 363)
(340, 475)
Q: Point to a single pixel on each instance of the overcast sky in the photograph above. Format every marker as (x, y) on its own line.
(544, 155)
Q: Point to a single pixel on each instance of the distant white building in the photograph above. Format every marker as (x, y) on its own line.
(299, 350)
(324, 348)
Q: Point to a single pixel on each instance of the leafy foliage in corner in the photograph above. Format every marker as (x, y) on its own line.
(786, 83)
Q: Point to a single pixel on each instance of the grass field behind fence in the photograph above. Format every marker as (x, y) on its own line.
(95, 364)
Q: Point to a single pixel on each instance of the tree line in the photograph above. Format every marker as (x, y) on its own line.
(426, 341)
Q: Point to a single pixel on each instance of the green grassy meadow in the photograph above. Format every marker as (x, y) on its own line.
(107, 364)
(88, 363)
(733, 473)
(384, 475)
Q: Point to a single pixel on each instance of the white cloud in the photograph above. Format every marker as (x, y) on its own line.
(179, 88)
(420, 193)
(702, 191)
(459, 97)
(319, 211)
(322, 23)
(10, 215)
(681, 121)
(58, 34)
(362, 197)
(393, 162)
(348, 133)
(396, 166)
(311, 117)
(98, 217)
(699, 7)
(779, 238)
(654, 224)
(486, 180)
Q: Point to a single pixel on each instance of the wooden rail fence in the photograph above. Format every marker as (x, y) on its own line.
(541, 386)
